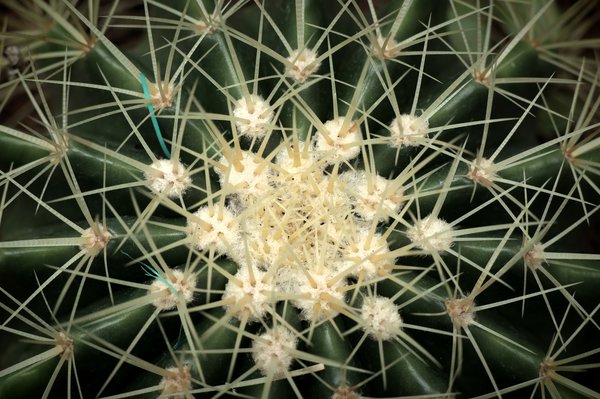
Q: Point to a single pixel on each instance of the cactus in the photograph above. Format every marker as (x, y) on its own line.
(299, 198)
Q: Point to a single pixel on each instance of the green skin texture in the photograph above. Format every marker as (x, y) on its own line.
(513, 359)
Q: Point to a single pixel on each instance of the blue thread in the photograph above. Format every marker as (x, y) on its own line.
(151, 272)
(179, 341)
(161, 141)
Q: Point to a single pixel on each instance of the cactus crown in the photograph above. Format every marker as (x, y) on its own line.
(299, 198)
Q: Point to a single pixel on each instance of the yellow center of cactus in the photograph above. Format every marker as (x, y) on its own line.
(302, 231)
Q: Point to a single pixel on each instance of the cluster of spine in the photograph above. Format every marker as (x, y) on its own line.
(299, 198)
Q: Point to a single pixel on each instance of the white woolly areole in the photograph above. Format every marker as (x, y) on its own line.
(318, 296)
(368, 255)
(461, 312)
(253, 118)
(272, 351)
(251, 181)
(177, 382)
(345, 393)
(218, 228)
(386, 47)
(482, 171)
(169, 177)
(246, 294)
(375, 198)
(339, 142)
(202, 26)
(535, 256)
(547, 370)
(94, 240)
(408, 130)
(65, 344)
(288, 280)
(295, 161)
(382, 318)
(431, 234)
(303, 64)
(180, 285)
(60, 149)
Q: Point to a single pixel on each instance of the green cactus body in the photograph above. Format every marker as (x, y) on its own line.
(299, 199)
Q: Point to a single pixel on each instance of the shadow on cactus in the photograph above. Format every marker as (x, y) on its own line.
(280, 199)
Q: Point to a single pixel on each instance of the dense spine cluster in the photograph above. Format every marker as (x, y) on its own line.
(299, 199)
